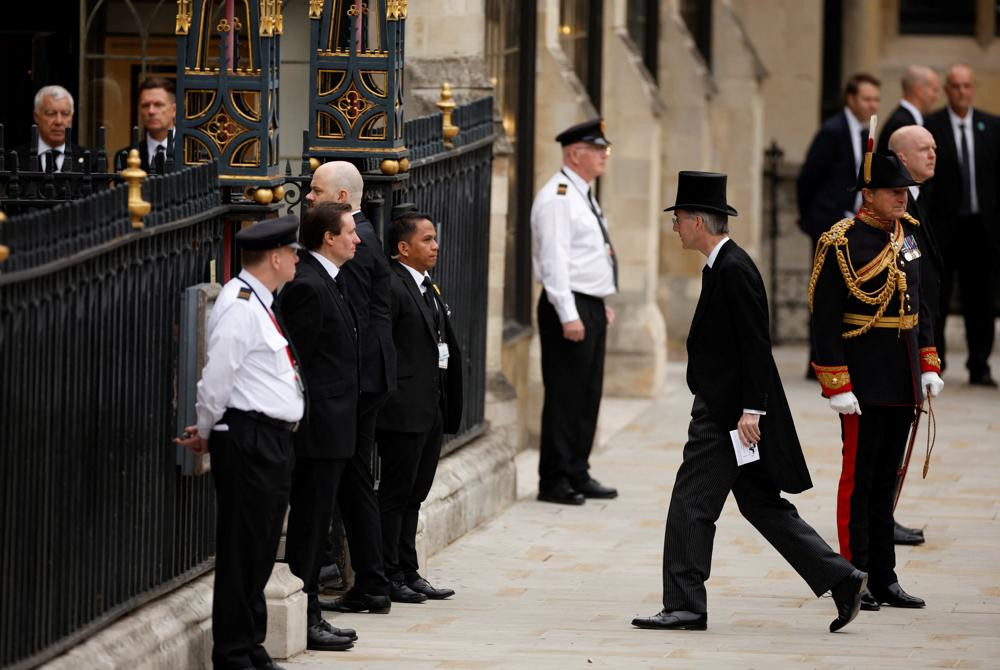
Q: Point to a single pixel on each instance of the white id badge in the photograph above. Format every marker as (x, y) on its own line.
(443, 355)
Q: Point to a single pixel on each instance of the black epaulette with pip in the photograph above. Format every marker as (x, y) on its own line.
(561, 189)
(244, 294)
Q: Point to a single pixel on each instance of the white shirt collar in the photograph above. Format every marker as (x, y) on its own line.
(328, 265)
(576, 179)
(956, 119)
(914, 193)
(418, 277)
(43, 147)
(151, 144)
(356, 212)
(262, 292)
(918, 117)
(715, 251)
(854, 127)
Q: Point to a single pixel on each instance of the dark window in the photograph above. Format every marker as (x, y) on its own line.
(510, 57)
(644, 27)
(580, 25)
(934, 17)
(697, 15)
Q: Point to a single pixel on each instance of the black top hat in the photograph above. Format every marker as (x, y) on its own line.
(591, 132)
(270, 234)
(702, 191)
(887, 171)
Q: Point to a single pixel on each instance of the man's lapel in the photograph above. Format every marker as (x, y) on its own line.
(418, 298)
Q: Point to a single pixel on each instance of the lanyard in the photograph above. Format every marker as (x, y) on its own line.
(600, 224)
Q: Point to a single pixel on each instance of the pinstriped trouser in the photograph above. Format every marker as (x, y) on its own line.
(704, 480)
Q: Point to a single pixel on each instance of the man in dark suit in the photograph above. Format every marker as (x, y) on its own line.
(917, 151)
(921, 89)
(735, 383)
(366, 286)
(833, 160)
(322, 329)
(964, 213)
(53, 117)
(426, 404)
(157, 112)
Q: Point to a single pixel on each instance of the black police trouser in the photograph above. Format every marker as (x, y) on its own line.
(976, 267)
(358, 503)
(315, 482)
(251, 468)
(573, 375)
(874, 442)
(706, 476)
(409, 462)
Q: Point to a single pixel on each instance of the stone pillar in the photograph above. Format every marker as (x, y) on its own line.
(630, 196)
(863, 37)
(286, 613)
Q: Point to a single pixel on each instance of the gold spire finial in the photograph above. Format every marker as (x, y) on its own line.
(134, 176)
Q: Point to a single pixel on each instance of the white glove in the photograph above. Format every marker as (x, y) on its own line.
(845, 403)
(932, 382)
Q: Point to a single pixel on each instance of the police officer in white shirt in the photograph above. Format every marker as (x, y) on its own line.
(576, 265)
(249, 402)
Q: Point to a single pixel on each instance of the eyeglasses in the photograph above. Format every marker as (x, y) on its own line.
(677, 219)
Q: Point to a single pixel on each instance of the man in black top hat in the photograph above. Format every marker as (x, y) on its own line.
(874, 341)
(738, 399)
(576, 265)
(249, 403)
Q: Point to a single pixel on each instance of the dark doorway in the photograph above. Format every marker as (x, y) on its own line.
(833, 45)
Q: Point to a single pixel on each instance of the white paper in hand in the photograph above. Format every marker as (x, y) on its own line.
(744, 455)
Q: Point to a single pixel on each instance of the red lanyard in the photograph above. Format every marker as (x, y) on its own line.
(288, 349)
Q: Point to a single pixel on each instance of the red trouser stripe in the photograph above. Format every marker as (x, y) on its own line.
(846, 487)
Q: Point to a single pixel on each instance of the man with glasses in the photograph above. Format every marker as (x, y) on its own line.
(575, 262)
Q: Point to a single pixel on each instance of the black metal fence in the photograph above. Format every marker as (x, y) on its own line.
(95, 517)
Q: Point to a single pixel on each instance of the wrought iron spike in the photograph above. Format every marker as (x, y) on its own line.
(102, 155)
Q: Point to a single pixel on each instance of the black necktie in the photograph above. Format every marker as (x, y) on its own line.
(158, 159)
(51, 160)
(604, 233)
(432, 303)
(965, 205)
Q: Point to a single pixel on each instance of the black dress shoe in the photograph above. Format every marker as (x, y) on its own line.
(903, 535)
(349, 633)
(983, 379)
(401, 593)
(421, 585)
(319, 638)
(357, 602)
(678, 620)
(847, 596)
(868, 602)
(563, 495)
(594, 489)
(330, 577)
(894, 596)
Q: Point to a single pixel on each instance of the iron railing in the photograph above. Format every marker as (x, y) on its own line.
(96, 519)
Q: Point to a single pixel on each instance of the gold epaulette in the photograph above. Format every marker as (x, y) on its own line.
(909, 219)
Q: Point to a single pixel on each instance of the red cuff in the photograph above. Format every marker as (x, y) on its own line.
(929, 360)
(833, 378)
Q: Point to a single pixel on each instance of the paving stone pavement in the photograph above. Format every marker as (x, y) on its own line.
(547, 586)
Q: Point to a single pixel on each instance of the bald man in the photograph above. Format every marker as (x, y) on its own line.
(964, 212)
(921, 90)
(367, 288)
(917, 151)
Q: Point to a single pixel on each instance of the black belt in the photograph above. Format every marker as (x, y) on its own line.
(291, 426)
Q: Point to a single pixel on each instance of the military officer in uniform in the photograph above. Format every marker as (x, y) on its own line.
(576, 265)
(875, 357)
(249, 403)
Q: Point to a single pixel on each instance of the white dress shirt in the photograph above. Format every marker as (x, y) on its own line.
(248, 367)
(711, 261)
(151, 146)
(568, 250)
(328, 265)
(918, 117)
(43, 150)
(956, 121)
(854, 127)
(418, 277)
(914, 193)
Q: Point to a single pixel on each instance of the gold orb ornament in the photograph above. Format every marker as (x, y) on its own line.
(278, 192)
(313, 164)
(389, 166)
(404, 164)
(263, 196)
